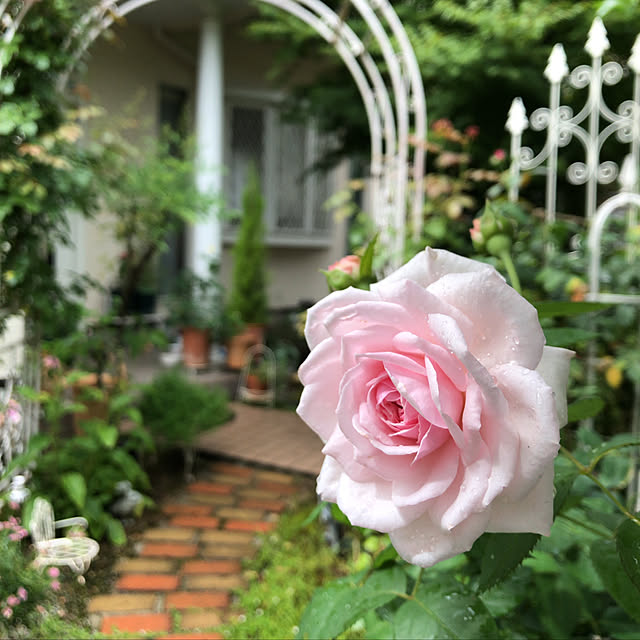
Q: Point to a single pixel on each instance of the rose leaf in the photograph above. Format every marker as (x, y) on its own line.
(503, 553)
(335, 607)
(628, 545)
(446, 610)
(606, 561)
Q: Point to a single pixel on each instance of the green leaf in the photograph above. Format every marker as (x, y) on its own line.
(107, 434)
(584, 408)
(564, 477)
(120, 402)
(75, 487)
(619, 441)
(503, 553)
(337, 606)
(115, 531)
(377, 629)
(551, 309)
(366, 263)
(413, 621)
(567, 337)
(628, 545)
(457, 612)
(606, 561)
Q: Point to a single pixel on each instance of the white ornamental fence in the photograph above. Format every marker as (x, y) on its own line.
(19, 365)
(592, 126)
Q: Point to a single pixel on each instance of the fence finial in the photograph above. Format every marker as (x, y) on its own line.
(628, 174)
(634, 60)
(597, 43)
(556, 68)
(517, 121)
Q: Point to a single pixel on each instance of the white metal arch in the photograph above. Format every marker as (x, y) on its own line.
(390, 121)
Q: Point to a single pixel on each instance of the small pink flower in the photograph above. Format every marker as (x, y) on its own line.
(22, 593)
(472, 131)
(12, 601)
(497, 157)
(50, 362)
(55, 585)
(13, 506)
(53, 572)
(7, 612)
(14, 537)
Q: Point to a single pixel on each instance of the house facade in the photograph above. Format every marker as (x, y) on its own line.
(196, 58)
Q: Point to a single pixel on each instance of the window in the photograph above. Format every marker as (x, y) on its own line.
(284, 154)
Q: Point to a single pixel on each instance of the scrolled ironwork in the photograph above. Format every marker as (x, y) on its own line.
(612, 73)
(578, 173)
(607, 172)
(580, 77)
(540, 118)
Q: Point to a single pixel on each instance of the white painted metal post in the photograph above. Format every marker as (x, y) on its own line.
(205, 241)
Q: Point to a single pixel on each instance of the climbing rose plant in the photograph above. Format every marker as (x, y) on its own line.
(440, 407)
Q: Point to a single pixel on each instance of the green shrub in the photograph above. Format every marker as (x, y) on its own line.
(79, 475)
(176, 410)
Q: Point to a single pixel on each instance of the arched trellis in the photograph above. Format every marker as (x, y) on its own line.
(394, 102)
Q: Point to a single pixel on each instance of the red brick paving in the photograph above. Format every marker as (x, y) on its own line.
(147, 582)
(220, 541)
(212, 566)
(139, 623)
(203, 522)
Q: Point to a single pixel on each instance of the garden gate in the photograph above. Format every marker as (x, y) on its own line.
(562, 126)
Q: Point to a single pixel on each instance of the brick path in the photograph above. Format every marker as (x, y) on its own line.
(179, 585)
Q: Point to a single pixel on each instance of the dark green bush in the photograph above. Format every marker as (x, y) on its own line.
(176, 410)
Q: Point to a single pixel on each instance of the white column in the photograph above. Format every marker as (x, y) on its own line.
(206, 235)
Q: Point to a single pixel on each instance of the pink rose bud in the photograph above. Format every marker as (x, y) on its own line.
(53, 572)
(22, 593)
(348, 264)
(476, 234)
(7, 612)
(55, 585)
(12, 601)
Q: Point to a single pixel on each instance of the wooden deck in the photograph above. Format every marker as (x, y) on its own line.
(270, 437)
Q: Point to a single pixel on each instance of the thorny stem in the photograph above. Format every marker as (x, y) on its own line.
(586, 471)
(505, 256)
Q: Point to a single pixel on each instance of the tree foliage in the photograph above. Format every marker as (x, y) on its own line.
(248, 292)
(475, 57)
(44, 174)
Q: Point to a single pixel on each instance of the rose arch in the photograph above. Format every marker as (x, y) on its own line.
(394, 101)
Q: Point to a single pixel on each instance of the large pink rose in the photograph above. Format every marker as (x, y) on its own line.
(439, 406)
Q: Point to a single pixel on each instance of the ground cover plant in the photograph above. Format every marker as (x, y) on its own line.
(291, 562)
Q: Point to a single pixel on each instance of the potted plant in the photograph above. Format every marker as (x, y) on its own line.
(196, 306)
(248, 292)
(150, 190)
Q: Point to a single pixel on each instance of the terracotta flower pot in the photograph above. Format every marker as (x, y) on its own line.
(238, 344)
(195, 348)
